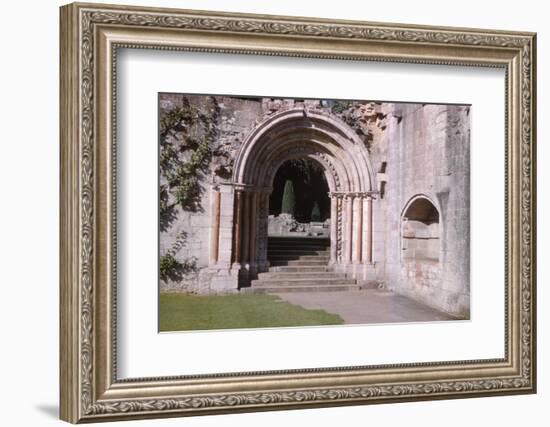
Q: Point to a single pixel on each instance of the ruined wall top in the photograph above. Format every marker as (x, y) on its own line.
(234, 118)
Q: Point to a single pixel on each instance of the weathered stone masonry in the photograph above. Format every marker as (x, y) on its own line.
(398, 176)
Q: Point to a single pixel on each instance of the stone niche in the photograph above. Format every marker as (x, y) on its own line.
(420, 232)
(420, 241)
(420, 245)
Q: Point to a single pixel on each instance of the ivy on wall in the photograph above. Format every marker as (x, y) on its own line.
(187, 135)
(338, 107)
(171, 268)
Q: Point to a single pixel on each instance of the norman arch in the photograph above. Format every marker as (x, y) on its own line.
(320, 132)
(327, 140)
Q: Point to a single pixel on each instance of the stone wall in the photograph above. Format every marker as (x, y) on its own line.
(187, 236)
(428, 154)
(415, 150)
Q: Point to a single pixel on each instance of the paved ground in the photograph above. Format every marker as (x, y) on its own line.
(367, 306)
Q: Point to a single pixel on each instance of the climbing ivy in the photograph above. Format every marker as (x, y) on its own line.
(171, 268)
(167, 265)
(340, 106)
(187, 134)
(186, 137)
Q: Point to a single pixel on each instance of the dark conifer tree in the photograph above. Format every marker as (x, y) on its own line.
(289, 200)
(316, 213)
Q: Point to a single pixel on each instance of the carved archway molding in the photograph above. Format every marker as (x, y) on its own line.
(323, 131)
(293, 134)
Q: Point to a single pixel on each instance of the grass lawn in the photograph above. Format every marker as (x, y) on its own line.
(180, 312)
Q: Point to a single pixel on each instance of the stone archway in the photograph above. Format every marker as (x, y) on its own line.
(241, 244)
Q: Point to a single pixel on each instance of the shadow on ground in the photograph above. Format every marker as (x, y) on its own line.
(50, 410)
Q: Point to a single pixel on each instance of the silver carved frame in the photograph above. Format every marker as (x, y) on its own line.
(90, 36)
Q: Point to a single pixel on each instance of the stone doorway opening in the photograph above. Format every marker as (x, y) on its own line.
(299, 135)
(299, 204)
(309, 186)
(298, 248)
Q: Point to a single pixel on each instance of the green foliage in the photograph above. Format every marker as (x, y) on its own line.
(177, 119)
(289, 199)
(340, 106)
(187, 134)
(309, 185)
(171, 268)
(308, 170)
(168, 265)
(186, 137)
(181, 312)
(316, 212)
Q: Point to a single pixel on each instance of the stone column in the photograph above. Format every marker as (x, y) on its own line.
(358, 229)
(340, 229)
(215, 226)
(226, 207)
(245, 234)
(253, 228)
(368, 229)
(227, 226)
(261, 249)
(333, 228)
(238, 217)
(349, 228)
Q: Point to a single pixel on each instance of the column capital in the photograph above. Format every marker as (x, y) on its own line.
(250, 188)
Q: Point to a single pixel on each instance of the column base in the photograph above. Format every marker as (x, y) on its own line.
(366, 276)
(263, 266)
(222, 279)
(242, 272)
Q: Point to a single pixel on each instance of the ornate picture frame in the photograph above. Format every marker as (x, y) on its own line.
(90, 37)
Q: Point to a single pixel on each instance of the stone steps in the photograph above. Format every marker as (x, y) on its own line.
(306, 245)
(325, 258)
(281, 257)
(323, 274)
(305, 239)
(302, 282)
(298, 243)
(298, 288)
(300, 265)
(298, 262)
(299, 269)
(276, 252)
(297, 249)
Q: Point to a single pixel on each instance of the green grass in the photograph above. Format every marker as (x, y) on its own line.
(181, 312)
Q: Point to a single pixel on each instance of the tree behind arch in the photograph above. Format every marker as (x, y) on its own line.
(289, 200)
(316, 213)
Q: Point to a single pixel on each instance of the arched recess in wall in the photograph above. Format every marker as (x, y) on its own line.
(420, 230)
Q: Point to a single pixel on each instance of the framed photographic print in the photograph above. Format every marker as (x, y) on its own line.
(266, 212)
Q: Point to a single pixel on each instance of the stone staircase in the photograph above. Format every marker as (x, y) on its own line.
(300, 264)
